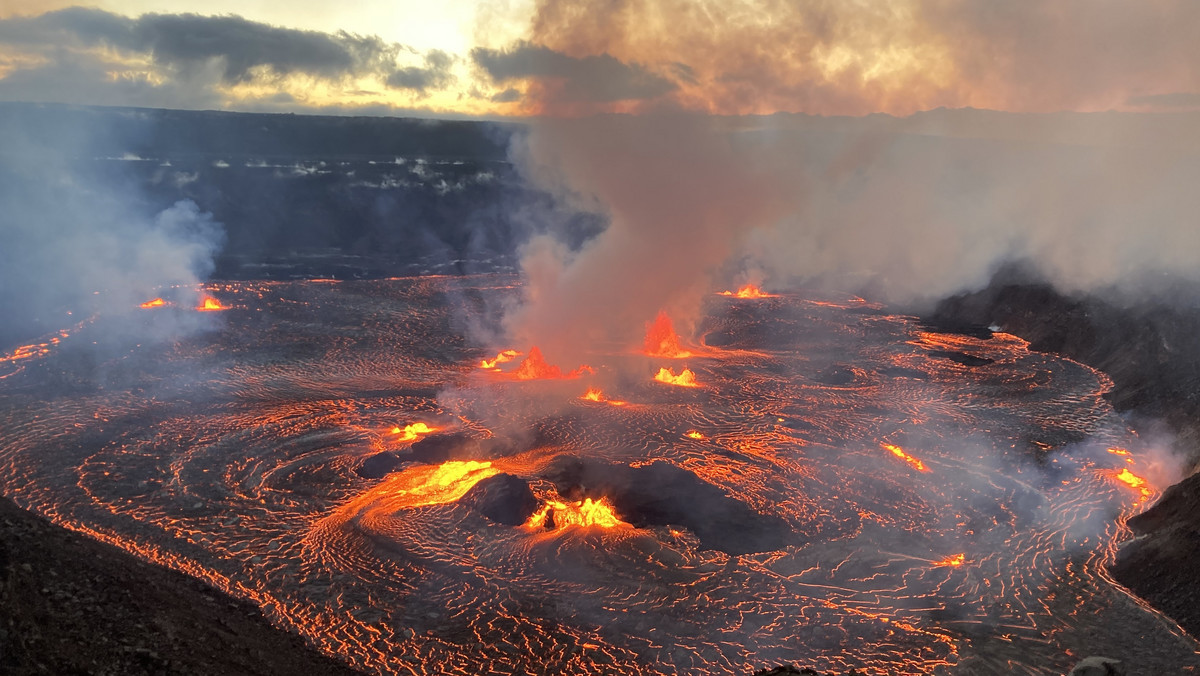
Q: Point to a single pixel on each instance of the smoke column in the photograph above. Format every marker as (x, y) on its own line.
(915, 208)
(79, 240)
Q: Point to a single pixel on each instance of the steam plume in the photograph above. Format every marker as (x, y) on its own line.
(80, 241)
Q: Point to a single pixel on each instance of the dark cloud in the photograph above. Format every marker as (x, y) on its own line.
(598, 78)
(507, 96)
(91, 56)
(189, 41)
(435, 75)
(75, 78)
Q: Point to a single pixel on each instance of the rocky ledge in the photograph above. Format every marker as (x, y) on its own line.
(71, 605)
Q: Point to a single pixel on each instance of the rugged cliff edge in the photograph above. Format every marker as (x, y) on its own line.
(1152, 353)
(71, 605)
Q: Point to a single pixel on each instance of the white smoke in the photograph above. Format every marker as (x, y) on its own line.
(914, 208)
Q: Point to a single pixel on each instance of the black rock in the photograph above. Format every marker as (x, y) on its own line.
(662, 494)
(504, 498)
(438, 448)
(378, 466)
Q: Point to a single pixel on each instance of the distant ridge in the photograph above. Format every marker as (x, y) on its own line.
(162, 132)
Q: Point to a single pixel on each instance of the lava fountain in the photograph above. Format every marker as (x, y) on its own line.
(662, 341)
(748, 291)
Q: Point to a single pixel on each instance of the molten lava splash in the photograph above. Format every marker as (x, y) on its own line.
(157, 302)
(1123, 453)
(748, 291)
(899, 453)
(564, 515)
(210, 304)
(440, 484)
(411, 432)
(596, 395)
(1133, 481)
(685, 379)
(693, 434)
(502, 358)
(954, 560)
(534, 367)
(662, 341)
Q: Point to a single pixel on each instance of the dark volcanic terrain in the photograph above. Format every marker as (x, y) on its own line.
(1150, 352)
(71, 605)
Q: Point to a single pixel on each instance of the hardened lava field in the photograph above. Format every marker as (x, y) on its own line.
(810, 480)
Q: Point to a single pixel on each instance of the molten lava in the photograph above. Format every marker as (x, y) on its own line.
(1123, 453)
(210, 304)
(685, 379)
(438, 484)
(661, 339)
(596, 395)
(562, 515)
(413, 431)
(954, 560)
(1133, 481)
(693, 434)
(157, 302)
(748, 291)
(502, 358)
(900, 453)
(534, 367)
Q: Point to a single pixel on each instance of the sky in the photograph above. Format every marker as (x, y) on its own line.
(578, 57)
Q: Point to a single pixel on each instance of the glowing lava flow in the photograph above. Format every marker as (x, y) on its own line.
(748, 291)
(1133, 481)
(693, 434)
(534, 367)
(1123, 453)
(157, 302)
(685, 379)
(597, 396)
(210, 304)
(899, 453)
(561, 515)
(501, 358)
(954, 560)
(436, 484)
(661, 339)
(411, 432)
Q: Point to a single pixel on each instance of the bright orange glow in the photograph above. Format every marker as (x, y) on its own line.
(210, 304)
(411, 432)
(596, 395)
(534, 367)
(954, 560)
(685, 379)
(693, 434)
(157, 302)
(587, 513)
(1118, 451)
(503, 357)
(436, 485)
(748, 291)
(900, 453)
(1133, 481)
(661, 339)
